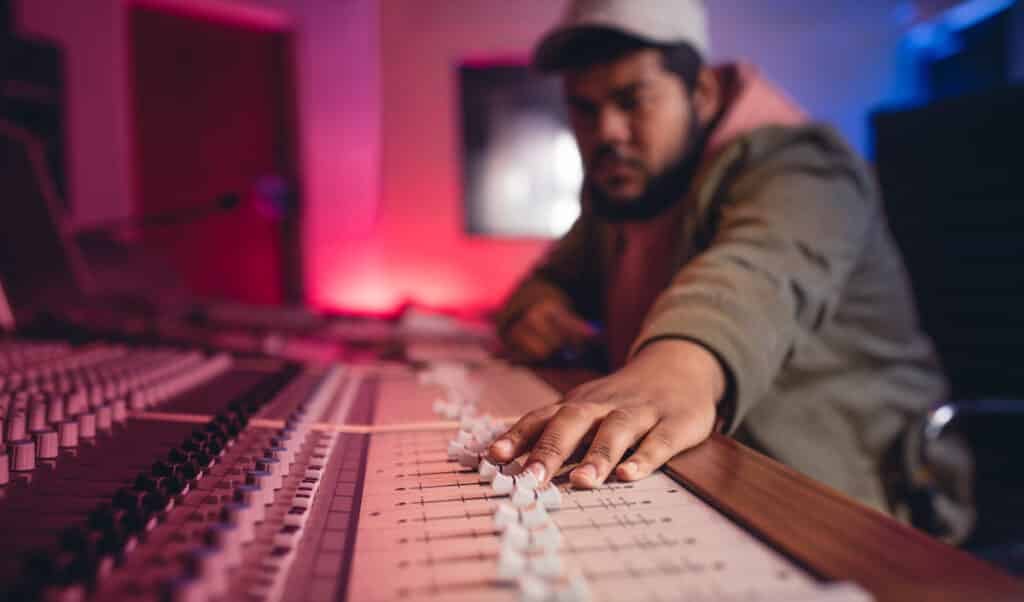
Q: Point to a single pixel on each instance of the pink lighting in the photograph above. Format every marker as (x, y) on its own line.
(396, 266)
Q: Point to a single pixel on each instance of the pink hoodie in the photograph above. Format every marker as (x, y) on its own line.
(644, 250)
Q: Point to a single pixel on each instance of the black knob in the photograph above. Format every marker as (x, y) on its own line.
(166, 469)
(110, 523)
(179, 456)
(148, 482)
(155, 501)
(130, 500)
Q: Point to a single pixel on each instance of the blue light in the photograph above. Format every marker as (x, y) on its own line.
(939, 37)
(968, 14)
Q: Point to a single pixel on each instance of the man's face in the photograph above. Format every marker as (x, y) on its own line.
(631, 118)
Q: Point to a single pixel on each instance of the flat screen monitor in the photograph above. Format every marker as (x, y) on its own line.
(521, 170)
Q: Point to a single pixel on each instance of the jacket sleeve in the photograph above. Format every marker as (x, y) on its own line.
(789, 233)
(562, 274)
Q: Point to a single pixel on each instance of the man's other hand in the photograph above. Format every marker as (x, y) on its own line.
(663, 402)
(545, 328)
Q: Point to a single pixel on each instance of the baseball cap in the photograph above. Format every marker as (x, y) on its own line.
(659, 22)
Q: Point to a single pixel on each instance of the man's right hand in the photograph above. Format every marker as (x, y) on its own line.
(546, 327)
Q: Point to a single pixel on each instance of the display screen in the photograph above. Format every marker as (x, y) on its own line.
(521, 170)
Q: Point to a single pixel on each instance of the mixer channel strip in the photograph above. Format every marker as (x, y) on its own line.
(86, 477)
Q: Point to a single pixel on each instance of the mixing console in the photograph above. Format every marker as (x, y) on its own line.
(168, 474)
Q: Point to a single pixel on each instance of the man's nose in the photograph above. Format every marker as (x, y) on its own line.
(612, 126)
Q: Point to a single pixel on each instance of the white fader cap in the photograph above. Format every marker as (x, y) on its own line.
(660, 22)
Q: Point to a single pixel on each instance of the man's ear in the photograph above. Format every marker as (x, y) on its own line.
(707, 95)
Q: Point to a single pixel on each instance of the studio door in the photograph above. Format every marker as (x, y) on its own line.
(214, 115)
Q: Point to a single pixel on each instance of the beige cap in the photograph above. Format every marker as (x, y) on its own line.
(660, 22)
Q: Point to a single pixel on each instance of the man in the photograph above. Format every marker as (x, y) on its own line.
(738, 256)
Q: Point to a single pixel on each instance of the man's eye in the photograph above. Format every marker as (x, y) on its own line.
(582, 110)
(632, 103)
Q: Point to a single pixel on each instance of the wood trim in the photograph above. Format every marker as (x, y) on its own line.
(827, 532)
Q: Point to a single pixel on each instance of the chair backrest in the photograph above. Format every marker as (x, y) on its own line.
(39, 268)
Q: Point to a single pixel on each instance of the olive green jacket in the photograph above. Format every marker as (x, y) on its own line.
(785, 269)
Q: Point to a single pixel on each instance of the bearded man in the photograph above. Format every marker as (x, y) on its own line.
(738, 257)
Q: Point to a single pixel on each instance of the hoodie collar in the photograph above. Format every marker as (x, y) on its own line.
(751, 102)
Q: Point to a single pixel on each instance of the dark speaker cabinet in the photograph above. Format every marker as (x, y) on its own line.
(6, 18)
(952, 176)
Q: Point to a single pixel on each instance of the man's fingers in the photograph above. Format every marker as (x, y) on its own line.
(533, 346)
(560, 438)
(536, 325)
(571, 326)
(523, 433)
(620, 428)
(666, 439)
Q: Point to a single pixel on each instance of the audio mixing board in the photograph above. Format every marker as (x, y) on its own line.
(170, 474)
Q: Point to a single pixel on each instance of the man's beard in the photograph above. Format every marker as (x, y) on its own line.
(663, 190)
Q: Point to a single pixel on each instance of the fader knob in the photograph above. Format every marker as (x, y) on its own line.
(239, 514)
(535, 517)
(527, 480)
(210, 565)
(253, 497)
(119, 410)
(548, 564)
(516, 536)
(284, 454)
(23, 455)
(274, 469)
(503, 484)
(511, 564)
(469, 459)
(225, 539)
(104, 417)
(550, 497)
(55, 409)
(16, 425)
(75, 403)
(136, 400)
(47, 444)
(37, 415)
(87, 425)
(454, 449)
(505, 515)
(263, 482)
(549, 538)
(522, 498)
(533, 589)
(487, 470)
(67, 432)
